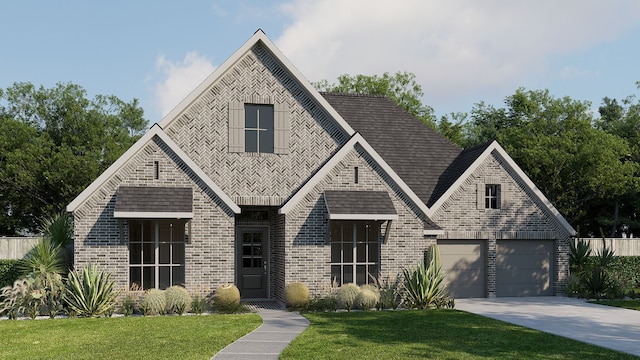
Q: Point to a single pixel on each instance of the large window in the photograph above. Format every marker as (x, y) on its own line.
(492, 196)
(355, 250)
(156, 253)
(258, 128)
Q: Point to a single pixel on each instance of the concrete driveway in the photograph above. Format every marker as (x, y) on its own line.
(605, 326)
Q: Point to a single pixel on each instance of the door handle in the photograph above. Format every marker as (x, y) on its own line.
(265, 267)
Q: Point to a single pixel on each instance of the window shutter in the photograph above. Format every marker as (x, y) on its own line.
(281, 129)
(236, 126)
(504, 196)
(480, 196)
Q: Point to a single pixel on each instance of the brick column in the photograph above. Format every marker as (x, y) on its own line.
(490, 249)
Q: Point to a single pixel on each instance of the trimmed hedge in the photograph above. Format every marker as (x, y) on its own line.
(8, 272)
(626, 269)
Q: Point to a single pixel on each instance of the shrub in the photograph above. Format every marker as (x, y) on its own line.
(296, 295)
(326, 303)
(17, 298)
(90, 293)
(346, 296)
(45, 257)
(153, 302)
(9, 272)
(389, 293)
(366, 298)
(424, 285)
(226, 298)
(52, 289)
(58, 228)
(579, 253)
(198, 304)
(178, 300)
(128, 305)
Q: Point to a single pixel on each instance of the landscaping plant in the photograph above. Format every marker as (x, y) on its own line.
(296, 295)
(45, 257)
(90, 293)
(367, 298)
(226, 299)
(346, 296)
(153, 302)
(424, 285)
(178, 300)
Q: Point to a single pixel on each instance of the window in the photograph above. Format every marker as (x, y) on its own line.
(355, 251)
(258, 128)
(355, 175)
(156, 170)
(492, 196)
(156, 253)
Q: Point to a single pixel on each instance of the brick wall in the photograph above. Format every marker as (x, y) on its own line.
(209, 255)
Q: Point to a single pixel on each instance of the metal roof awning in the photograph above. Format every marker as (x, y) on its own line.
(141, 202)
(359, 205)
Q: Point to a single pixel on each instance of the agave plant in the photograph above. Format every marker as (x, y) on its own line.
(579, 253)
(58, 228)
(424, 285)
(90, 293)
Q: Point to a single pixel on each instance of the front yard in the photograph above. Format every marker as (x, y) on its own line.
(627, 304)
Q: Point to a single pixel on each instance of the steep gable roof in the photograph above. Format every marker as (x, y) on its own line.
(155, 130)
(418, 154)
(259, 37)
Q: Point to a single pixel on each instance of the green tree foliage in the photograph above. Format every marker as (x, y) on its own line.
(53, 143)
(553, 139)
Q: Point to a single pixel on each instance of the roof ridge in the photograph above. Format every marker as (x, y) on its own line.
(353, 94)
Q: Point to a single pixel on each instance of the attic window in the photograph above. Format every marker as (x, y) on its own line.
(258, 128)
(355, 175)
(156, 170)
(492, 196)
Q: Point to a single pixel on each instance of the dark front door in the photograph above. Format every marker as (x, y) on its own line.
(253, 262)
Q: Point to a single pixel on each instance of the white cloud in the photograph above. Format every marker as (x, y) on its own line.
(179, 78)
(455, 48)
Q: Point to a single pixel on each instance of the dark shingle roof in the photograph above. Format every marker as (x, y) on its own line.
(359, 202)
(154, 199)
(455, 170)
(417, 153)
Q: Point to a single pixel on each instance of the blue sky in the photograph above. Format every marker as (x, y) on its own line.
(462, 52)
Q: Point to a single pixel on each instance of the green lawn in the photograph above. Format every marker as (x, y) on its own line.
(161, 337)
(627, 304)
(435, 334)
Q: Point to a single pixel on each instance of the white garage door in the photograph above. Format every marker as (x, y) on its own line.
(524, 268)
(463, 263)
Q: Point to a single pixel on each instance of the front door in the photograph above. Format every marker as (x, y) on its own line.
(253, 262)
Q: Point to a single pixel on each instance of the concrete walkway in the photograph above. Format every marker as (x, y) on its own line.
(279, 327)
(606, 326)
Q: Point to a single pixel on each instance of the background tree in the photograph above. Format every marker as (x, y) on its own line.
(53, 143)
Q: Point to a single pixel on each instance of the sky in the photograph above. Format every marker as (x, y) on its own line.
(462, 52)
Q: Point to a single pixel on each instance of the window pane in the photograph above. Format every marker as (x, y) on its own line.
(178, 253)
(336, 252)
(361, 231)
(266, 117)
(347, 252)
(246, 250)
(164, 277)
(148, 278)
(178, 231)
(164, 255)
(148, 231)
(336, 232)
(246, 237)
(164, 232)
(246, 262)
(251, 116)
(335, 274)
(135, 230)
(257, 250)
(266, 140)
(135, 277)
(373, 273)
(257, 262)
(251, 141)
(374, 232)
(361, 252)
(135, 253)
(373, 252)
(148, 256)
(361, 274)
(178, 275)
(348, 274)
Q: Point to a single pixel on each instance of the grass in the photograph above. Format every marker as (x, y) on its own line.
(627, 304)
(161, 337)
(435, 334)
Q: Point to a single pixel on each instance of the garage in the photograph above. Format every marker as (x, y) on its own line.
(524, 268)
(463, 263)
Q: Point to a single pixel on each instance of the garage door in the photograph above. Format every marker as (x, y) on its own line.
(463, 263)
(524, 268)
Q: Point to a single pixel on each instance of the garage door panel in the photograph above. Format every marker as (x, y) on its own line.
(524, 267)
(463, 264)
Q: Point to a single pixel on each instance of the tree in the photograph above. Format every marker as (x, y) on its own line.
(401, 88)
(53, 143)
(574, 163)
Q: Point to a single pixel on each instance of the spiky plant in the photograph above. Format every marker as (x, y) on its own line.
(46, 257)
(90, 293)
(178, 300)
(424, 285)
(58, 228)
(296, 295)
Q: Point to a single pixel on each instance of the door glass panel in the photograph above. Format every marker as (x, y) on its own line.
(257, 262)
(246, 237)
(246, 262)
(246, 250)
(257, 250)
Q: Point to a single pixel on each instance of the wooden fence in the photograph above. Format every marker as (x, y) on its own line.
(620, 246)
(16, 247)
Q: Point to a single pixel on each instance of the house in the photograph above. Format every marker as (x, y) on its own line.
(258, 179)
